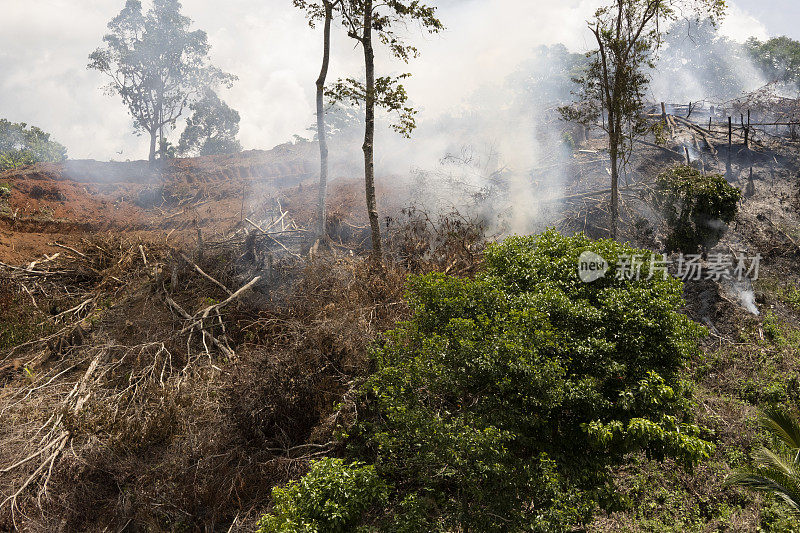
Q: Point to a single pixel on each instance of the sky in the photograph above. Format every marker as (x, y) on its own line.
(44, 48)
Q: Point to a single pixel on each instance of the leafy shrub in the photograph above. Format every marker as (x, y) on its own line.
(659, 133)
(505, 399)
(696, 208)
(331, 498)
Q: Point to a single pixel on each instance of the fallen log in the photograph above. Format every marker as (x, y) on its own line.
(664, 148)
(703, 133)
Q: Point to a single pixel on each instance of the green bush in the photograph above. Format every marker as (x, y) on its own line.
(696, 207)
(504, 401)
(332, 498)
(23, 145)
(659, 133)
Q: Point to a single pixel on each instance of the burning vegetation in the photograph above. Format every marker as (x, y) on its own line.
(588, 323)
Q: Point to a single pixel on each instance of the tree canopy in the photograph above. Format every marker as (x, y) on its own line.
(548, 76)
(778, 59)
(211, 129)
(697, 60)
(21, 145)
(156, 64)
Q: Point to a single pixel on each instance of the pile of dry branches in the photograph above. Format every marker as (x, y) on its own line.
(171, 388)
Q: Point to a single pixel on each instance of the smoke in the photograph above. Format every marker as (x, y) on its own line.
(698, 62)
(743, 291)
(500, 151)
(748, 299)
(276, 56)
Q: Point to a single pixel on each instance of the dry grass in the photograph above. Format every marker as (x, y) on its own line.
(156, 394)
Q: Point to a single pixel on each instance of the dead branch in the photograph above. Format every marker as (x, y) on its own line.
(270, 237)
(205, 312)
(663, 148)
(73, 250)
(195, 323)
(202, 273)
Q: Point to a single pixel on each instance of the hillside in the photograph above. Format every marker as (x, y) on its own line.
(192, 361)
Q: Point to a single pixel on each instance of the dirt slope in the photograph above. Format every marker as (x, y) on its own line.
(65, 202)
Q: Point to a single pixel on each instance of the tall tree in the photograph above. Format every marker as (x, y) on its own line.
(212, 128)
(156, 64)
(315, 12)
(364, 19)
(777, 58)
(628, 33)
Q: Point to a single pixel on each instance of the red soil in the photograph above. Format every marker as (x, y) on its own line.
(68, 202)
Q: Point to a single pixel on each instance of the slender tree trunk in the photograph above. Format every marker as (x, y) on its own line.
(369, 133)
(615, 139)
(321, 134)
(614, 153)
(153, 135)
(161, 128)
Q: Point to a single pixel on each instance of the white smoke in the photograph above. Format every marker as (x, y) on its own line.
(742, 290)
(698, 62)
(268, 44)
(748, 299)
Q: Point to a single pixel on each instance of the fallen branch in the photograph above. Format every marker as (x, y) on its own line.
(703, 133)
(589, 194)
(230, 298)
(195, 323)
(61, 441)
(273, 239)
(73, 250)
(209, 278)
(664, 148)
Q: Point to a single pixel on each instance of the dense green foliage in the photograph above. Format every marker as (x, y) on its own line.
(331, 498)
(776, 472)
(212, 128)
(777, 58)
(505, 399)
(21, 144)
(696, 207)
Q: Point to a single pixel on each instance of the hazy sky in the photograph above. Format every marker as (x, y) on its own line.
(44, 46)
